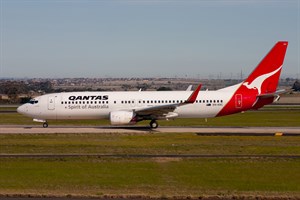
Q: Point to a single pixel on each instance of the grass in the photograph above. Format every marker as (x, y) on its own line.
(160, 177)
(159, 143)
(12, 108)
(253, 118)
(195, 177)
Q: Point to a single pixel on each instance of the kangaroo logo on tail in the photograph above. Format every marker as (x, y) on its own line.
(257, 83)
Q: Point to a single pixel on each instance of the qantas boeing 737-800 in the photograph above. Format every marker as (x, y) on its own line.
(124, 108)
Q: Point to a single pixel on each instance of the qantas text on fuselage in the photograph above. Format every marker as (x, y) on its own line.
(94, 97)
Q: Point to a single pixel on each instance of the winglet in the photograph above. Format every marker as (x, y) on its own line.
(194, 95)
(189, 88)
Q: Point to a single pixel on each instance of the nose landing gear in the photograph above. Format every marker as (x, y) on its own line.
(45, 123)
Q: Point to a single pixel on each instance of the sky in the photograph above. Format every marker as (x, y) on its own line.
(157, 38)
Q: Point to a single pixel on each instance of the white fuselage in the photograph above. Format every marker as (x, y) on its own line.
(98, 105)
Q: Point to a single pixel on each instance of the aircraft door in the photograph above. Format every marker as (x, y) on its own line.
(238, 101)
(51, 103)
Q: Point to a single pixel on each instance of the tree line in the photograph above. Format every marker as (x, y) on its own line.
(13, 89)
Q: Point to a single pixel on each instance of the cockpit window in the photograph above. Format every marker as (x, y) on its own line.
(33, 101)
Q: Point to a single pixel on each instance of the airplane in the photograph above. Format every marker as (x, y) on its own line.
(127, 108)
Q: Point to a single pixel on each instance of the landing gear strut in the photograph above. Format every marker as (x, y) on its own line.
(45, 124)
(153, 124)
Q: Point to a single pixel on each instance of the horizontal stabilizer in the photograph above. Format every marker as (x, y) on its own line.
(274, 94)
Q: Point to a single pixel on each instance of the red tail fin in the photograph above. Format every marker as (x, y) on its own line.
(263, 80)
(265, 76)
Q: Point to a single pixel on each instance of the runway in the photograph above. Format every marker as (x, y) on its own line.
(54, 129)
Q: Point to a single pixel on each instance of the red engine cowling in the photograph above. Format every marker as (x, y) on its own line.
(122, 117)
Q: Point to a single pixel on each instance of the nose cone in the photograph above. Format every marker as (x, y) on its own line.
(21, 109)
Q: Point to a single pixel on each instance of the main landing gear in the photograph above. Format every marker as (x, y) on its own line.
(153, 124)
(45, 124)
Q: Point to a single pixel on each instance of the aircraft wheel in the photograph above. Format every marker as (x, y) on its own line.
(153, 124)
(45, 125)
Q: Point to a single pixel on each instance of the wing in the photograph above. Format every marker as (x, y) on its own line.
(166, 111)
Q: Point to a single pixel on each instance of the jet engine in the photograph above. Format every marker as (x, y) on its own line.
(122, 117)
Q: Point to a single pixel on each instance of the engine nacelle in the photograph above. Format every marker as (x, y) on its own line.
(122, 117)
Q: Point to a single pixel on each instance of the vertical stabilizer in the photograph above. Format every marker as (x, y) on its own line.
(263, 80)
(266, 75)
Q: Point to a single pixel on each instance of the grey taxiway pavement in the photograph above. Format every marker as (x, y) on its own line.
(36, 129)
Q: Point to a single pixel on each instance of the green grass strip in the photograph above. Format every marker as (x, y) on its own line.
(157, 177)
(159, 143)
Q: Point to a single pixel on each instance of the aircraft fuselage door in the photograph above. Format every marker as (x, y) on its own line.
(238, 101)
(51, 103)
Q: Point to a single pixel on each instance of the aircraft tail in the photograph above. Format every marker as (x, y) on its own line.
(260, 87)
(266, 75)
